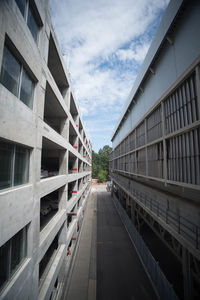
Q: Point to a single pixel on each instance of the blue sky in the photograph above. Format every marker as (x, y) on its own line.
(104, 43)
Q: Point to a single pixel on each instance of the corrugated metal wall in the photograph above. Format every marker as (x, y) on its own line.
(166, 144)
(174, 59)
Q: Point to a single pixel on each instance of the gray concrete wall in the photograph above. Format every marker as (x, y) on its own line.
(20, 206)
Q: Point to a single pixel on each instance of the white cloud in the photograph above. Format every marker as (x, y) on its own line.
(104, 42)
(135, 52)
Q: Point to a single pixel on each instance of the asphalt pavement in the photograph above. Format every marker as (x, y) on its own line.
(106, 265)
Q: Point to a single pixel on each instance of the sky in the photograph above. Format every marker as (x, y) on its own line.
(104, 43)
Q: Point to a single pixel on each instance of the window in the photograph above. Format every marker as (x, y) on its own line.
(10, 72)
(14, 162)
(22, 6)
(6, 157)
(21, 165)
(15, 78)
(32, 25)
(27, 12)
(12, 254)
(26, 92)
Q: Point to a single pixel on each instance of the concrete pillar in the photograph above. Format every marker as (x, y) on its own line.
(63, 162)
(132, 203)
(63, 197)
(67, 98)
(187, 278)
(65, 128)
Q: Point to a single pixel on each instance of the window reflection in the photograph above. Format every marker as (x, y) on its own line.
(12, 254)
(32, 24)
(26, 92)
(14, 162)
(22, 5)
(15, 78)
(21, 166)
(10, 72)
(4, 263)
(6, 160)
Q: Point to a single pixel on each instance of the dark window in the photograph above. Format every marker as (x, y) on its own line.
(14, 162)
(26, 93)
(32, 25)
(21, 165)
(28, 14)
(16, 79)
(4, 263)
(10, 72)
(22, 6)
(6, 162)
(12, 254)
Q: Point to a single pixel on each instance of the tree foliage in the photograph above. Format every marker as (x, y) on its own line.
(100, 163)
(102, 175)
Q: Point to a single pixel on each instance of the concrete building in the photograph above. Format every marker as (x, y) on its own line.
(45, 156)
(155, 163)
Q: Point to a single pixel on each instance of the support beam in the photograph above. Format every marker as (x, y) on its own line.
(187, 278)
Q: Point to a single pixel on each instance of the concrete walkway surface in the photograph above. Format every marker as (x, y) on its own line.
(106, 265)
(82, 278)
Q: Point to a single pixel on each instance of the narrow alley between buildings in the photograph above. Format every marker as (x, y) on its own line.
(105, 264)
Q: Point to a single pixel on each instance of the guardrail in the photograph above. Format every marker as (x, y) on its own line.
(163, 287)
(186, 228)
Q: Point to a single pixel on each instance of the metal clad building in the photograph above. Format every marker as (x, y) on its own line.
(45, 156)
(155, 163)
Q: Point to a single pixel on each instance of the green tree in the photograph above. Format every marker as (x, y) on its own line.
(100, 163)
(102, 175)
(95, 165)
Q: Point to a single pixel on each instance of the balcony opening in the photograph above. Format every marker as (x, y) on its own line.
(71, 247)
(84, 137)
(72, 163)
(79, 202)
(49, 206)
(56, 68)
(79, 184)
(80, 148)
(55, 290)
(74, 111)
(73, 137)
(54, 115)
(84, 153)
(71, 215)
(72, 190)
(80, 165)
(69, 219)
(47, 260)
(52, 155)
(81, 128)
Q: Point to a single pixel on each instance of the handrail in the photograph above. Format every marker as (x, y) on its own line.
(180, 224)
(164, 288)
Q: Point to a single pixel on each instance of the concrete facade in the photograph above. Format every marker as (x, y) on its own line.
(46, 203)
(155, 163)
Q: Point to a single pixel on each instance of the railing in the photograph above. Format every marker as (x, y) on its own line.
(164, 288)
(186, 228)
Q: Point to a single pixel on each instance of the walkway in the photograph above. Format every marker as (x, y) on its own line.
(106, 265)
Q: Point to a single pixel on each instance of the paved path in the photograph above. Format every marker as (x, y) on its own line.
(82, 277)
(106, 266)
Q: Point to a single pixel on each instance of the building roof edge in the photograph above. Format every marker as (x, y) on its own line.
(168, 18)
